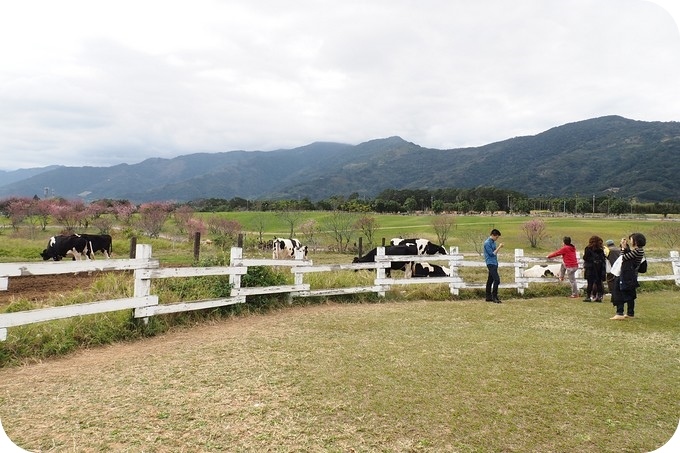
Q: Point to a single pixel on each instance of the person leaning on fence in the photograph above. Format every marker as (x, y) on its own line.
(626, 282)
(569, 264)
(491, 258)
(612, 252)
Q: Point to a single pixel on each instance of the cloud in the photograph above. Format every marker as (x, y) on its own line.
(91, 84)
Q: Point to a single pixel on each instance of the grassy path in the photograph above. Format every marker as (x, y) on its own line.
(547, 374)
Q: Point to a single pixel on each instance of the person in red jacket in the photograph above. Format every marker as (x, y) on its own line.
(569, 264)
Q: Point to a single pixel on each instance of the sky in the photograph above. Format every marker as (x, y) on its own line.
(86, 83)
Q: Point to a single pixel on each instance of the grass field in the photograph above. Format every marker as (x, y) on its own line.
(545, 374)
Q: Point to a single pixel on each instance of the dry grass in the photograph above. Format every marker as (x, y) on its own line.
(546, 374)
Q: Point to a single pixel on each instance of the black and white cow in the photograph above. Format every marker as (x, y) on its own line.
(425, 246)
(429, 270)
(409, 249)
(285, 248)
(98, 243)
(59, 247)
(543, 270)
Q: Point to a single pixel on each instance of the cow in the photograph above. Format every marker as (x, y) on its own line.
(429, 270)
(59, 247)
(97, 243)
(425, 246)
(409, 249)
(285, 248)
(543, 270)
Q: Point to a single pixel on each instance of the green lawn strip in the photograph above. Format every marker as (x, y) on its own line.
(543, 374)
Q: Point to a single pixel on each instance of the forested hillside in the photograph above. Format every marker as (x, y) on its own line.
(635, 159)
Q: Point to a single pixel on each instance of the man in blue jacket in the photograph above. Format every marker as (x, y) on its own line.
(491, 249)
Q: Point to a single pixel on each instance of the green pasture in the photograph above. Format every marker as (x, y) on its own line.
(25, 244)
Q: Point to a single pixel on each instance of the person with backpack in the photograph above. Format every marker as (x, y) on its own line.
(626, 283)
(569, 264)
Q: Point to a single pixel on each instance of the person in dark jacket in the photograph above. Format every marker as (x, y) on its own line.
(595, 268)
(625, 286)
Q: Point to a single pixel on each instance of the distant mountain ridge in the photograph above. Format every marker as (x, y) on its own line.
(639, 158)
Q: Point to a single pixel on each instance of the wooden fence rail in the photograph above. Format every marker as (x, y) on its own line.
(147, 269)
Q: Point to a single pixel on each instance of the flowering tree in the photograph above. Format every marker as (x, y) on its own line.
(182, 215)
(152, 216)
(535, 231)
(123, 211)
(68, 213)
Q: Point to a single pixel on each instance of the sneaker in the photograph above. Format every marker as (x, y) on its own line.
(629, 316)
(497, 301)
(587, 299)
(618, 317)
(574, 296)
(598, 300)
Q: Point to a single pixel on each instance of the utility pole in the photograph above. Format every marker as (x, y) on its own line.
(593, 203)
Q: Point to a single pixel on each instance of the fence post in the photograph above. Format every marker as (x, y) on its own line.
(197, 245)
(133, 247)
(519, 269)
(235, 280)
(380, 271)
(675, 262)
(142, 285)
(453, 270)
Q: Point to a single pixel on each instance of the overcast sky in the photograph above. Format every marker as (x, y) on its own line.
(101, 83)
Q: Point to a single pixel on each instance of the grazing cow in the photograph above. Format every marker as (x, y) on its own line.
(97, 243)
(409, 249)
(285, 248)
(429, 270)
(59, 247)
(425, 246)
(543, 270)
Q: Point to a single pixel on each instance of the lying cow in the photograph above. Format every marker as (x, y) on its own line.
(285, 248)
(59, 247)
(543, 270)
(429, 270)
(409, 249)
(424, 246)
(97, 243)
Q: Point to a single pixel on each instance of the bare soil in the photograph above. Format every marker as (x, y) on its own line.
(42, 287)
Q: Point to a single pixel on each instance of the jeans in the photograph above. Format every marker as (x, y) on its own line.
(492, 281)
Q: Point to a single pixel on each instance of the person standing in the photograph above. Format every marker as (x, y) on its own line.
(595, 269)
(569, 264)
(613, 253)
(491, 249)
(625, 285)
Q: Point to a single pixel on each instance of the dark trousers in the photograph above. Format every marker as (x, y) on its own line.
(492, 281)
(631, 308)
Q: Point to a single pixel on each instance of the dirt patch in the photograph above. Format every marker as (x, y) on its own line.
(42, 287)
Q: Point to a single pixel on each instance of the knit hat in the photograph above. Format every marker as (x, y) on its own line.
(609, 242)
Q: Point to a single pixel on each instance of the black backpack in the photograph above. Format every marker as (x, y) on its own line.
(642, 268)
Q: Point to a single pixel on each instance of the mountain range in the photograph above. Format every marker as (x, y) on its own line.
(634, 159)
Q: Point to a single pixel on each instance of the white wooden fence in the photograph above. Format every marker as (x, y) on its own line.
(146, 269)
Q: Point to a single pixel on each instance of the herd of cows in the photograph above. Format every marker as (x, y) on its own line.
(84, 246)
(286, 248)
